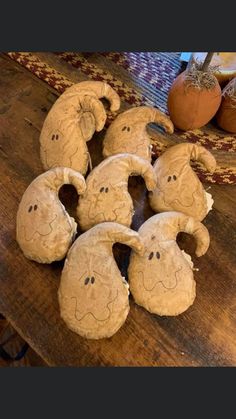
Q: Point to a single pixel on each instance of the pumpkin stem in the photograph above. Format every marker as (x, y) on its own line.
(207, 61)
(200, 79)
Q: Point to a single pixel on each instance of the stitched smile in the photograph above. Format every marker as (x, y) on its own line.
(161, 282)
(89, 313)
(40, 234)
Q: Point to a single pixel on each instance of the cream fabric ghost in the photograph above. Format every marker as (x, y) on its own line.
(107, 197)
(178, 187)
(162, 279)
(72, 121)
(93, 296)
(128, 132)
(44, 229)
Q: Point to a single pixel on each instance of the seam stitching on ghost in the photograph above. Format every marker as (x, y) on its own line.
(92, 204)
(44, 235)
(177, 200)
(125, 148)
(86, 314)
(72, 155)
(46, 159)
(160, 282)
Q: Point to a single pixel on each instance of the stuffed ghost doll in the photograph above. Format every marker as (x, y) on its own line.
(128, 132)
(161, 280)
(72, 121)
(178, 187)
(107, 197)
(93, 296)
(44, 229)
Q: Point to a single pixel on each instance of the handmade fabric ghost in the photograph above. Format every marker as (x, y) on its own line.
(44, 229)
(72, 121)
(178, 187)
(107, 197)
(93, 296)
(162, 279)
(128, 132)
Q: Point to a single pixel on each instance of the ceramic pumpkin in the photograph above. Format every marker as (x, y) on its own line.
(226, 116)
(193, 99)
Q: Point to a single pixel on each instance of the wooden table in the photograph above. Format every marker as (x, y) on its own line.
(205, 335)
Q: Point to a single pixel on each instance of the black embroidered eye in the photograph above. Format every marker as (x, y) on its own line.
(102, 189)
(30, 208)
(106, 190)
(169, 179)
(86, 281)
(153, 237)
(124, 128)
(158, 255)
(92, 280)
(35, 207)
(57, 136)
(53, 137)
(128, 129)
(174, 177)
(151, 256)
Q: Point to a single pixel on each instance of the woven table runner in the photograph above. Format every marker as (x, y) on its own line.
(140, 78)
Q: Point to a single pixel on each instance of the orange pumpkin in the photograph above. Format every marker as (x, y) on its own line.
(226, 116)
(190, 106)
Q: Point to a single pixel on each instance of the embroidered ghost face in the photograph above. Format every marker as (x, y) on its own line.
(93, 296)
(179, 186)
(55, 146)
(164, 281)
(110, 203)
(128, 132)
(58, 147)
(44, 228)
(36, 217)
(125, 135)
(107, 197)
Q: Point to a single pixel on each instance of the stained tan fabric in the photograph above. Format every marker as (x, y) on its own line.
(44, 229)
(128, 132)
(178, 187)
(162, 279)
(107, 197)
(93, 296)
(72, 121)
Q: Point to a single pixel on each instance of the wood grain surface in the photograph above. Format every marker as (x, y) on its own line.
(205, 335)
(13, 345)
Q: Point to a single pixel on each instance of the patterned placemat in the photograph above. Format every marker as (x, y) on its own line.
(140, 78)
